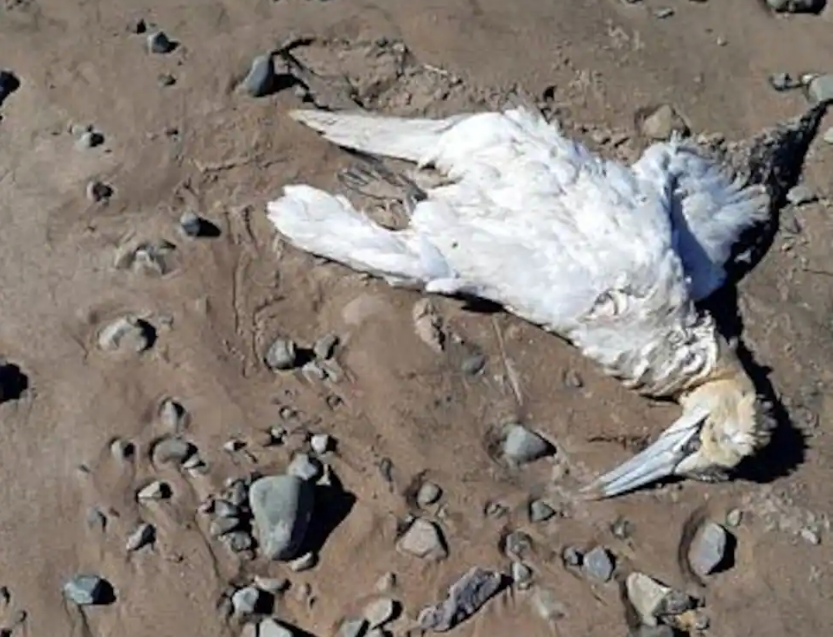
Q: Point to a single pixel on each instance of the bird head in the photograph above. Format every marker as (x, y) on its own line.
(723, 422)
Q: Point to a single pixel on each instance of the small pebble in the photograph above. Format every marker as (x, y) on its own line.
(85, 590)
(225, 509)
(159, 42)
(127, 334)
(522, 445)
(665, 12)
(572, 380)
(647, 596)
(281, 355)
(734, 517)
(98, 191)
(796, 6)
(517, 544)
(662, 122)
(173, 451)
(423, 539)
(465, 597)
(190, 224)
(122, 449)
(783, 82)
(540, 511)
(271, 585)
(320, 443)
(156, 490)
(96, 519)
(270, 628)
(810, 536)
(166, 79)
(233, 445)
(428, 494)
(261, 78)
(144, 535)
(572, 556)
(303, 563)
(473, 364)
(223, 526)
(325, 346)
(598, 564)
(800, 195)
(173, 416)
(379, 612)
(521, 575)
(90, 139)
(305, 467)
(239, 541)
(352, 628)
(245, 600)
(386, 583)
(820, 89)
(708, 550)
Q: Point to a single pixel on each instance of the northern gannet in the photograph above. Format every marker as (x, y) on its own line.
(611, 257)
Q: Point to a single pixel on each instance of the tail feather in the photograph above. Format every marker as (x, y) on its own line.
(410, 139)
(329, 226)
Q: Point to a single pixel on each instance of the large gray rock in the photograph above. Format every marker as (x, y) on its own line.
(282, 508)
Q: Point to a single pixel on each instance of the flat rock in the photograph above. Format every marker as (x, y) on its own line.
(305, 467)
(127, 334)
(86, 590)
(820, 89)
(708, 549)
(282, 507)
(598, 564)
(172, 451)
(246, 600)
(423, 539)
(380, 611)
(281, 355)
(662, 122)
(522, 445)
(428, 494)
(540, 511)
(465, 597)
(270, 628)
(142, 536)
(260, 80)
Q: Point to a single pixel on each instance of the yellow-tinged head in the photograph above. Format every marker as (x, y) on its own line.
(723, 422)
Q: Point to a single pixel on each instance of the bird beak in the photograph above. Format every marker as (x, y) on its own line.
(659, 460)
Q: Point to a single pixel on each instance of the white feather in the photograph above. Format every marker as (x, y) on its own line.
(608, 256)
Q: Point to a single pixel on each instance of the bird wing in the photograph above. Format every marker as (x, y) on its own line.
(709, 210)
(533, 221)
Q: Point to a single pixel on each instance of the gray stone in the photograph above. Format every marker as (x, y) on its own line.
(647, 596)
(662, 122)
(303, 563)
(321, 443)
(271, 585)
(521, 575)
(260, 79)
(305, 467)
(85, 590)
(325, 346)
(465, 597)
(572, 556)
(800, 195)
(428, 494)
(98, 191)
(540, 511)
(734, 517)
(89, 139)
(473, 364)
(159, 42)
(281, 355)
(142, 536)
(122, 449)
(190, 224)
(352, 628)
(423, 539)
(598, 564)
(223, 526)
(820, 89)
(125, 334)
(522, 445)
(664, 12)
(173, 416)
(708, 550)
(282, 507)
(156, 490)
(270, 628)
(245, 600)
(239, 541)
(172, 451)
(783, 82)
(379, 612)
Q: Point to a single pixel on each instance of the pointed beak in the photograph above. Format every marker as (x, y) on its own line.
(659, 460)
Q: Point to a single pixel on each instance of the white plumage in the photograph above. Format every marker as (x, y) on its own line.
(609, 256)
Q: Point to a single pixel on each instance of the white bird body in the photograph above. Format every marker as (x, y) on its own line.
(608, 256)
